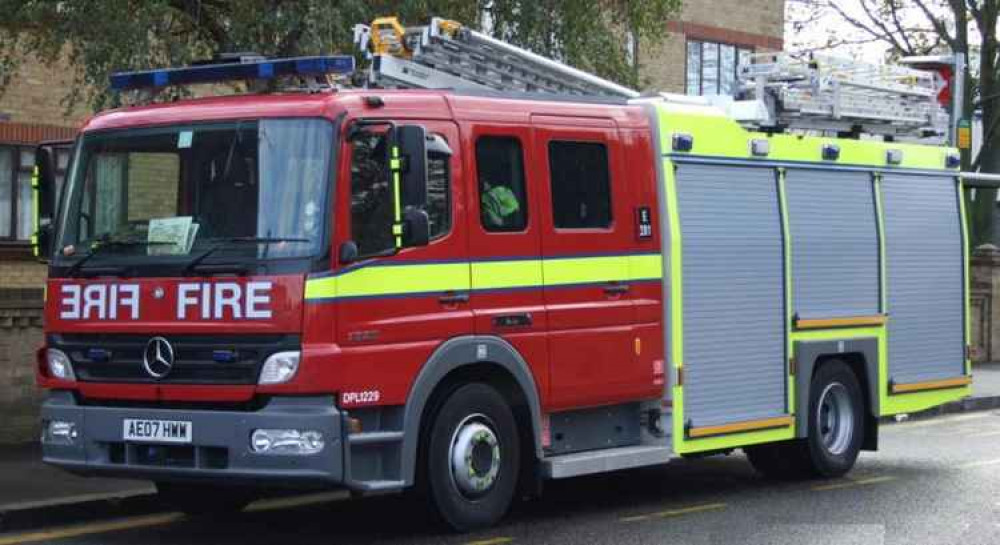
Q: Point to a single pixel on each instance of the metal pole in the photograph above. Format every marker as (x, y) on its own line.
(957, 96)
(980, 179)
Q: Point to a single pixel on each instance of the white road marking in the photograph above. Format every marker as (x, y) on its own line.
(981, 463)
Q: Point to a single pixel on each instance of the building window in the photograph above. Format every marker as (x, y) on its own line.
(712, 68)
(581, 185)
(16, 197)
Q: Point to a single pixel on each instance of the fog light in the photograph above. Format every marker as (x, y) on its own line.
(301, 442)
(61, 432)
(58, 364)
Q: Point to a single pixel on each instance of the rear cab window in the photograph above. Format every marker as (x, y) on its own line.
(581, 185)
(503, 202)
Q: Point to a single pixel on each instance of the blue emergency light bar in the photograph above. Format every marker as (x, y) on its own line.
(214, 73)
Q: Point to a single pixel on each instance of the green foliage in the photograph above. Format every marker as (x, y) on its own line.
(103, 36)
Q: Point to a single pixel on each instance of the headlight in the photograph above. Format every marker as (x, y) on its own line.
(280, 368)
(58, 364)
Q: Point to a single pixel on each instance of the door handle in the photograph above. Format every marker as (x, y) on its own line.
(616, 289)
(513, 320)
(453, 298)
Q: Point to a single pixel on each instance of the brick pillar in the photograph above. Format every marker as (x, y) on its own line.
(20, 335)
(984, 311)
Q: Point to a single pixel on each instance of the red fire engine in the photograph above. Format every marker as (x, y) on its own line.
(468, 291)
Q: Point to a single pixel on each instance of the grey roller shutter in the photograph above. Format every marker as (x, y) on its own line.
(924, 276)
(733, 286)
(832, 224)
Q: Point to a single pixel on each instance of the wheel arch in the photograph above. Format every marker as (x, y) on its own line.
(468, 357)
(861, 356)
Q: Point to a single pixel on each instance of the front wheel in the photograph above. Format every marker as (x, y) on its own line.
(473, 458)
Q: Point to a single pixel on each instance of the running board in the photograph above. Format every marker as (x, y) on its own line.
(600, 461)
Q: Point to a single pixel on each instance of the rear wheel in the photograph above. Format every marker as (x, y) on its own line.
(836, 420)
(473, 458)
(200, 500)
(836, 431)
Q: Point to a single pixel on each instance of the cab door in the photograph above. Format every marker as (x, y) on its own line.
(504, 229)
(394, 308)
(586, 240)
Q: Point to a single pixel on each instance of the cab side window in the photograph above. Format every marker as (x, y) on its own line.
(503, 203)
(371, 195)
(581, 185)
(439, 193)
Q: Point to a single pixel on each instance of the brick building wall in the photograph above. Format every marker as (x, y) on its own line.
(148, 196)
(30, 112)
(750, 24)
(20, 334)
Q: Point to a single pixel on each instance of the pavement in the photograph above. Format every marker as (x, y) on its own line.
(32, 494)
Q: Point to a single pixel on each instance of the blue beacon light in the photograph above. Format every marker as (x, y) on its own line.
(213, 73)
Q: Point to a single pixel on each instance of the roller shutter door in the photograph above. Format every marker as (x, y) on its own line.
(733, 287)
(924, 276)
(832, 224)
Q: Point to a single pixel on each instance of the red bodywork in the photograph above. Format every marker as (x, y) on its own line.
(582, 345)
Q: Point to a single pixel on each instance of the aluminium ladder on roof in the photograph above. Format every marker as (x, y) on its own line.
(831, 94)
(447, 55)
(779, 92)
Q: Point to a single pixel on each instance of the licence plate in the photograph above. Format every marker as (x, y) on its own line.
(156, 431)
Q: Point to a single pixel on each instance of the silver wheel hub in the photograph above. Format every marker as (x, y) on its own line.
(474, 456)
(835, 418)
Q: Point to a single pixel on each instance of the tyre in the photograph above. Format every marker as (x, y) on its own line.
(836, 431)
(836, 420)
(200, 500)
(472, 458)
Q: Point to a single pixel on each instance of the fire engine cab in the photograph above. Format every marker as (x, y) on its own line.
(467, 280)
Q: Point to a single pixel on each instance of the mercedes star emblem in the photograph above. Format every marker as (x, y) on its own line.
(158, 358)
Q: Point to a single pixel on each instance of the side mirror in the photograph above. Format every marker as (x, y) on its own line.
(416, 227)
(411, 142)
(43, 185)
(348, 252)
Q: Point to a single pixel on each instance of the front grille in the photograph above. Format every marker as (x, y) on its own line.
(118, 358)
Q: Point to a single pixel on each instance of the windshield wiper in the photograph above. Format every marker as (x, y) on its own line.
(102, 244)
(227, 241)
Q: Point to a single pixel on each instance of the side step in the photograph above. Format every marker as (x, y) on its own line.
(600, 461)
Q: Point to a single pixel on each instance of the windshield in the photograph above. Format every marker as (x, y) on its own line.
(250, 189)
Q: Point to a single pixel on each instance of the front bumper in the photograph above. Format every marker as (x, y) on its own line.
(219, 450)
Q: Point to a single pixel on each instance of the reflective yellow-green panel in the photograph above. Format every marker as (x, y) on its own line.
(645, 267)
(584, 270)
(506, 274)
(391, 280)
(717, 135)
